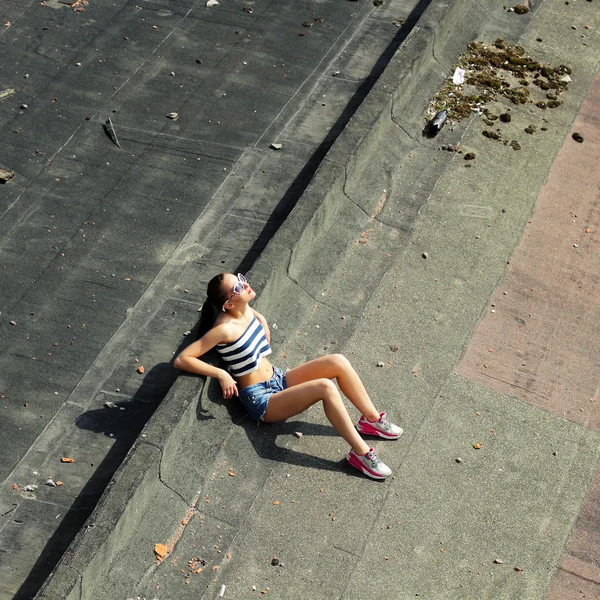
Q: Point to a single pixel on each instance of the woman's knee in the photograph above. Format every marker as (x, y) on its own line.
(340, 362)
(327, 388)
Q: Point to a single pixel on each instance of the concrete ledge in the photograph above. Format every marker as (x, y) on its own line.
(171, 459)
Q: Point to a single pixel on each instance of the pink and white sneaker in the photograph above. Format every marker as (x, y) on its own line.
(369, 464)
(382, 428)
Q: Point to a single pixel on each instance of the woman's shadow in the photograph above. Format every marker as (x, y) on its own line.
(263, 436)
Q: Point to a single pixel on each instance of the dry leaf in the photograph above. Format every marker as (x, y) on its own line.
(231, 473)
(588, 230)
(140, 369)
(65, 459)
(477, 446)
(15, 487)
(215, 567)
(58, 483)
(276, 502)
(160, 550)
(228, 556)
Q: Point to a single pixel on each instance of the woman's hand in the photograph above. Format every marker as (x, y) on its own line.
(228, 385)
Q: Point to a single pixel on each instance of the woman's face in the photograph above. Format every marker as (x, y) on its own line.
(247, 294)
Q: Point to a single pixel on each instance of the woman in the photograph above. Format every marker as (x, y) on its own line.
(242, 337)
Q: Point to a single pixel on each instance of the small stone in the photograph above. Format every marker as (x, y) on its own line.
(458, 459)
(50, 483)
(554, 453)
(172, 73)
(425, 255)
(518, 569)
(275, 146)
(30, 488)
(498, 561)
(336, 73)
(275, 561)
(298, 434)
(565, 79)
(173, 116)
(77, 64)
(186, 333)
(24, 107)
(503, 210)
(110, 405)
(469, 156)
(577, 137)
(380, 363)
(575, 246)
(212, 3)
(198, 61)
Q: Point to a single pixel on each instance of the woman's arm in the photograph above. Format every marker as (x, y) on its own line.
(187, 360)
(264, 323)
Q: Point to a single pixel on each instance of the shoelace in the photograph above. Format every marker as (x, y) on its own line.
(384, 423)
(373, 458)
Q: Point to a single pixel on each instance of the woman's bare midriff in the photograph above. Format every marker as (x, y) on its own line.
(263, 373)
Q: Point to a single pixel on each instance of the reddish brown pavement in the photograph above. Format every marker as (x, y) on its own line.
(540, 340)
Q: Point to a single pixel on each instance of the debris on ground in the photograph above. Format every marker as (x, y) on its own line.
(498, 73)
(212, 3)
(160, 550)
(66, 459)
(110, 129)
(275, 146)
(30, 488)
(577, 137)
(141, 370)
(520, 9)
(5, 94)
(434, 126)
(110, 404)
(6, 175)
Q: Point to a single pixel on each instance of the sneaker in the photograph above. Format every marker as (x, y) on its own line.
(369, 464)
(382, 428)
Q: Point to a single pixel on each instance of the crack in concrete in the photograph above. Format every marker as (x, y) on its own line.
(490, 14)
(160, 477)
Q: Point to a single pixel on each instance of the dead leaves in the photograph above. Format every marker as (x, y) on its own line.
(66, 459)
(161, 551)
(141, 370)
(477, 446)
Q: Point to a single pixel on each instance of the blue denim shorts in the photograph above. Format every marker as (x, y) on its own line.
(255, 398)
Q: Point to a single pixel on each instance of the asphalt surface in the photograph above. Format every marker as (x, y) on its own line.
(105, 251)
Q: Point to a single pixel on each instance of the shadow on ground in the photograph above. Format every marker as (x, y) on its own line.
(126, 426)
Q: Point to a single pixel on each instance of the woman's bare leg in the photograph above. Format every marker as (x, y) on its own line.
(336, 366)
(294, 400)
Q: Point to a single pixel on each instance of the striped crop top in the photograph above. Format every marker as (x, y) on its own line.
(243, 355)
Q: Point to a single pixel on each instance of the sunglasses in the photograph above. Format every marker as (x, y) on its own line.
(238, 288)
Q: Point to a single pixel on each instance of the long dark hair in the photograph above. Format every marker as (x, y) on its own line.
(215, 298)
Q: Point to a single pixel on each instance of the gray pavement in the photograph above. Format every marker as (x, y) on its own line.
(352, 276)
(105, 251)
